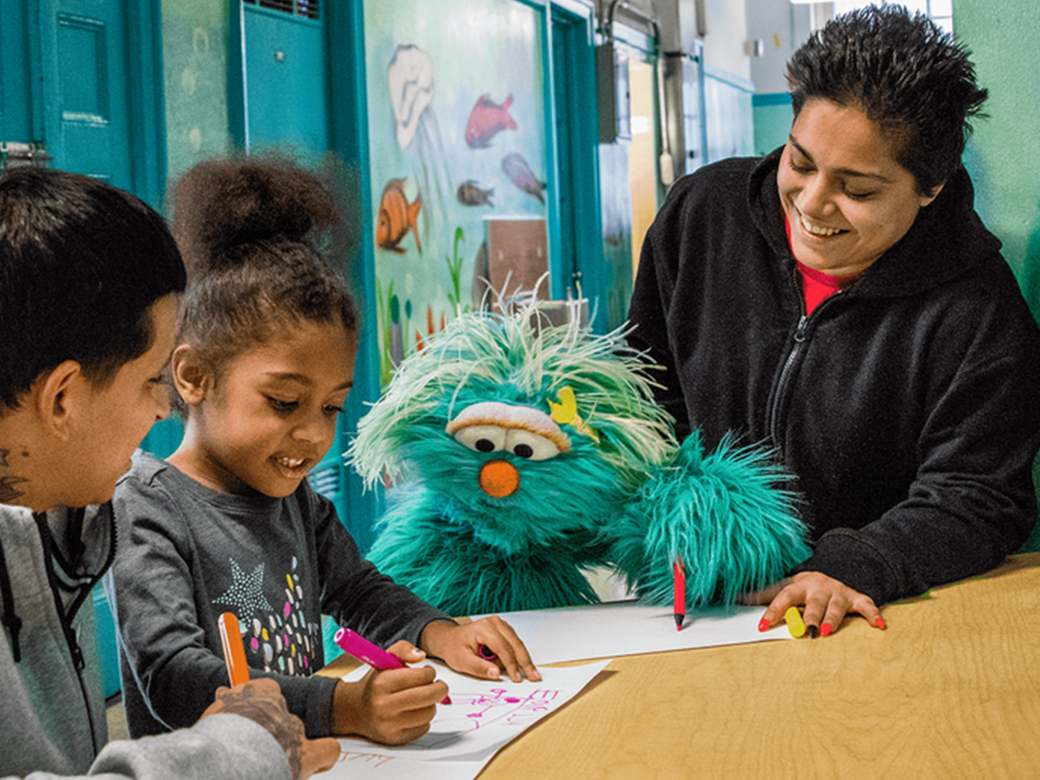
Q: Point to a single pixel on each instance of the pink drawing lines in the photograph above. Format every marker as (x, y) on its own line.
(499, 708)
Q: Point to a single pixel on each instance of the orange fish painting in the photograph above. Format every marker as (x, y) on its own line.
(486, 120)
(396, 217)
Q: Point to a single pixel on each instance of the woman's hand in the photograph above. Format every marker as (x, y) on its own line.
(459, 645)
(826, 602)
(262, 702)
(393, 706)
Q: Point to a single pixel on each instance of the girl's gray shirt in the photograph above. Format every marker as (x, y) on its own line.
(188, 553)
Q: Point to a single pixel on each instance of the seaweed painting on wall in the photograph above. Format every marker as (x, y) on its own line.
(396, 318)
(457, 134)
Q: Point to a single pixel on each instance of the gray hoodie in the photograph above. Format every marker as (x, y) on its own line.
(52, 713)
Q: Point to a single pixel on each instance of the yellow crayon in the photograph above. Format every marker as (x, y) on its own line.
(794, 622)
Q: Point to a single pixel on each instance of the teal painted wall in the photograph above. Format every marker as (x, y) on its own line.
(15, 74)
(1003, 156)
(772, 120)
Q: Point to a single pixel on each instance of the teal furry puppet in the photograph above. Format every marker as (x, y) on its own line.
(524, 453)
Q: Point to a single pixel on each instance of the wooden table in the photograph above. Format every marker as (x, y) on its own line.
(950, 690)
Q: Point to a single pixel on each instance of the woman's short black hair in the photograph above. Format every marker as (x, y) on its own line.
(81, 263)
(911, 78)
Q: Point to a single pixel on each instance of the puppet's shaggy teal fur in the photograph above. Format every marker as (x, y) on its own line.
(487, 357)
(429, 542)
(623, 495)
(722, 514)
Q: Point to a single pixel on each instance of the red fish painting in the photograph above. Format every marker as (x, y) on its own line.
(519, 172)
(486, 120)
(396, 217)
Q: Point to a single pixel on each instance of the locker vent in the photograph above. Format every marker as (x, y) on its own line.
(308, 9)
(327, 481)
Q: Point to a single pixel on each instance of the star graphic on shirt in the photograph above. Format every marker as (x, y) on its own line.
(247, 592)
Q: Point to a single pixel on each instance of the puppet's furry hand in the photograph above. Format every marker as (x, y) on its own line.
(725, 515)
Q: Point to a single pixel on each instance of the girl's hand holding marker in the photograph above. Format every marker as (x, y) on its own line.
(375, 656)
(395, 703)
(392, 704)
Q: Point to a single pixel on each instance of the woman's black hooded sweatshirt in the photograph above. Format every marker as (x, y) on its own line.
(907, 407)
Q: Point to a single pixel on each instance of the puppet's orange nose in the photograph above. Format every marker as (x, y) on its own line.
(499, 478)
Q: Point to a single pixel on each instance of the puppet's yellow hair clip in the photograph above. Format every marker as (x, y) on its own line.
(566, 413)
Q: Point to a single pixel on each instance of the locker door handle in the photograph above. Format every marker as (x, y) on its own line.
(16, 153)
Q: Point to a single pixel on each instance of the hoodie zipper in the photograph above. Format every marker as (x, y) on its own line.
(798, 345)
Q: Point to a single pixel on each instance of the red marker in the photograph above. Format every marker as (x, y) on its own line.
(234, 653)
(373, 655)
(679, 594)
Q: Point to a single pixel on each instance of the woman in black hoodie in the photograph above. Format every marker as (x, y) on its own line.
(840, 302)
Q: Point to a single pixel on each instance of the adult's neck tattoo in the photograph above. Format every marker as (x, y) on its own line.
(9, 492)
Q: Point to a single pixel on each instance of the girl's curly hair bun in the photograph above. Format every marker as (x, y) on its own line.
(222, 205)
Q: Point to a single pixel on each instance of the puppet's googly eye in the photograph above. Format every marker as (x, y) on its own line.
(482, 438)
(530, 446)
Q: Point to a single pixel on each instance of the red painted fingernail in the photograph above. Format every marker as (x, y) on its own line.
(880, 623)
(763, 624)
(825, 629)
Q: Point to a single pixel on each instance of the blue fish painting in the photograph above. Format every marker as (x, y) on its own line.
(519, 172)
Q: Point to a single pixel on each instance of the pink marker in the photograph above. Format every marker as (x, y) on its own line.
(373, 655)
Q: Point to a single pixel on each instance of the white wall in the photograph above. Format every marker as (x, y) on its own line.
(782, 27)
(726, 23)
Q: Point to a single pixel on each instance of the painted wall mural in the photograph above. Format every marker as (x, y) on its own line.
(457, 134)
(195, 65)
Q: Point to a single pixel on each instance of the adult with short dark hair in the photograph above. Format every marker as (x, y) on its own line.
(841, 302)
(89, 279)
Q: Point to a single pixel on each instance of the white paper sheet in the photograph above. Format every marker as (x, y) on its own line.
(630, 627)
(483, 717)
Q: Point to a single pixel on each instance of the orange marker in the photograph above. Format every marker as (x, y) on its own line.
(234, 653)
(679, 594)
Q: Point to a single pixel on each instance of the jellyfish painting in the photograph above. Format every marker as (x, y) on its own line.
(411, 86)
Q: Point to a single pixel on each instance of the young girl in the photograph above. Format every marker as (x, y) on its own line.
(229, 523)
